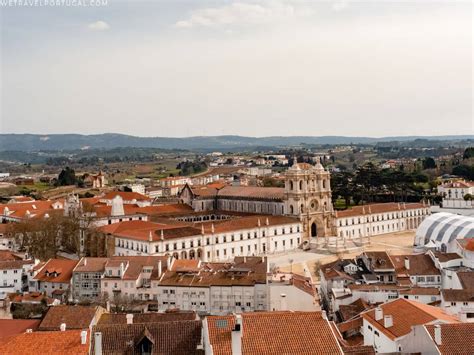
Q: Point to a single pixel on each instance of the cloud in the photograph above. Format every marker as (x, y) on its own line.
(340, 5)
(98, 26)
(239, 13)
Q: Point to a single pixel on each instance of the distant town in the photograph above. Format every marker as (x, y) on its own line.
(357, 248)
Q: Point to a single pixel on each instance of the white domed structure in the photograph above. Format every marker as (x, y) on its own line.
(441, 230)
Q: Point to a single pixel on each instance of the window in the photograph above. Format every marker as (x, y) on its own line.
(453, 303)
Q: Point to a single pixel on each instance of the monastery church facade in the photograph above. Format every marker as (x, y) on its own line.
(306, 197)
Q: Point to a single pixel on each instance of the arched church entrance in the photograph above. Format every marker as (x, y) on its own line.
(314, 230)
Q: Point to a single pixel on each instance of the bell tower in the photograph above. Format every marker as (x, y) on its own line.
(308, 197)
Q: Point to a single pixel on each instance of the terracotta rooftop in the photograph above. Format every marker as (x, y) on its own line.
(114, 318)
(245, 222)
(125, 195)
(56, 270)
(7, 255)
(431, 291)
(459, 184)
(14, 264)
(88, 264)
(406, 314)
(444, 257)
(142, 230)
(175, 337)
(458, 295)
(9, 327)
(379, 260)
(352, 310)
(421, 264)
(456, 339)
(135, 264)
(30, 209)
(75, 317)
(467, 279)
(46, 343)
(275, 333)
(377, 208)
(243, 271)
(273, 193)
(30, 297)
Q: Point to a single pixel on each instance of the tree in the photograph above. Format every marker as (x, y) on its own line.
(66, 177)
(464, 171)
(468, 153)
(429, 163)
(468, 197)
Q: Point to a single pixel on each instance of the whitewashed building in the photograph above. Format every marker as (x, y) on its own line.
(220, 240)
(454, 193)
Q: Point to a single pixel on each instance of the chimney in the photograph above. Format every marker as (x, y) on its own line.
(407, 263)
(122, 269)
(29, 330)
(258, 222)
(267, 222)
(97, 343)
(168, 263)
(388, 321)
(62, 327)
(150, 237)
(237, 333)
(84, 337)
(129, 318)
(437, 334)
(324, 315)
(107, 305)
(378, 314)
(212, 228)
(162, 235)
(85, 261)
(283, 304)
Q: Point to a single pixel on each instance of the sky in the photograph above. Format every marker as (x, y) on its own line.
(256, 68)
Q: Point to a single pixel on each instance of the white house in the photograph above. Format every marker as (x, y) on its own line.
(388, 327)
(454, 193)
(12, 274)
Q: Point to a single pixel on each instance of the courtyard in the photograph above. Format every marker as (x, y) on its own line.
(305, 262)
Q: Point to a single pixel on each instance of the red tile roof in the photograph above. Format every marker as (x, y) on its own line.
(14, 264)
(458, 295)
(88, 264)
(421, 264)
(125, 195)
(246, 222)
(46, 343)
(9, 327)
(273, 193)
(275, 333)
(57, 270)
(456, 339)
(377, 208)
(242, 271)
(176, 337)
(121, 318)
(7, 255)
(30, 209)
(406, 314)
(75, 317)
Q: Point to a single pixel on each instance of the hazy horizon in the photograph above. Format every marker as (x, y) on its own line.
(249, 68)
